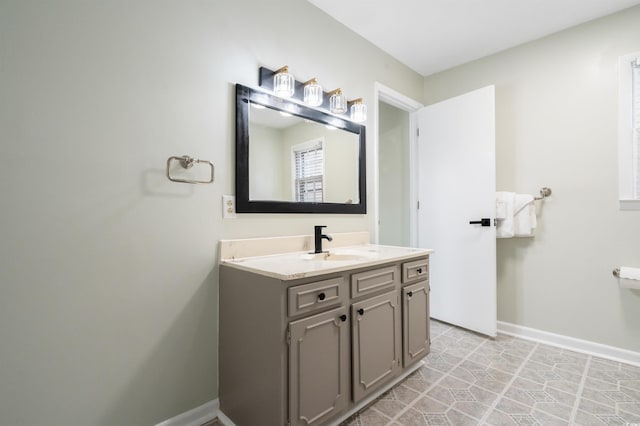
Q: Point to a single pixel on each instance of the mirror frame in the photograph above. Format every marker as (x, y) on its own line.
(244, 95)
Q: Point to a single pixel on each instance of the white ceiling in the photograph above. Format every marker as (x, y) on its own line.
(433, 35)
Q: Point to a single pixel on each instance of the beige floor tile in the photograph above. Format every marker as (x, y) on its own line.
(458, 419)
(555, 408)
(466, 374)
(498, 418)
(368, 417)
(472, 409)
(389, 407)
(412, 418)
(547, 419)
(429, 405)
(510, 406)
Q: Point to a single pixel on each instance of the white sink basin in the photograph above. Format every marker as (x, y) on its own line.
(338, 256)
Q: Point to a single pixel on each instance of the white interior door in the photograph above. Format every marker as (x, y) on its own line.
(456, 185)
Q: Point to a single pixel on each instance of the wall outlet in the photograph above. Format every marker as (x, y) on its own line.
(229, 206)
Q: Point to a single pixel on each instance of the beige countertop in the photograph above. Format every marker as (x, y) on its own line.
(302, 264)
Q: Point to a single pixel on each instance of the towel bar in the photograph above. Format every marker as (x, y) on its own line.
(188, 162)
(544, 193)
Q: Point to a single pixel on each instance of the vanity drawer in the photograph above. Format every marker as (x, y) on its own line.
(317, 295)
(416, 270)
(376, 279)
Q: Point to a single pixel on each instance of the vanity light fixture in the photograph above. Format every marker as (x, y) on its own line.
(337, 102)
(283, 83)
(312, 93)
(358, 110)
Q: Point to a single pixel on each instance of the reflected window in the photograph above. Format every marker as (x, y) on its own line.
(308, 171)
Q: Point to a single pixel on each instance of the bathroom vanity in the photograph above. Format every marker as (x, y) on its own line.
(306, 338)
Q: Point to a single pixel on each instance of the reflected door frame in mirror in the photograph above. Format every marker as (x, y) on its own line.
(245, 96)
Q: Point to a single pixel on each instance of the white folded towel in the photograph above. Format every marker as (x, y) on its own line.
(524, 216)
(629, 273)
(629, 277)
(505, 202)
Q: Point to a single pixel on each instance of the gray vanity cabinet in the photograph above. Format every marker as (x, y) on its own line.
(305, 351)
(376, 342)
(318, 367)
(415, 327)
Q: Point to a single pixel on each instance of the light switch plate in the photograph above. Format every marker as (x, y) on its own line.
(229, 206)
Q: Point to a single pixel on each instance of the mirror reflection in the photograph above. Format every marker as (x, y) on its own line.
(299, 160)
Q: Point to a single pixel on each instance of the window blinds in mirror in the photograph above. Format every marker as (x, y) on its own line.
(309, 171)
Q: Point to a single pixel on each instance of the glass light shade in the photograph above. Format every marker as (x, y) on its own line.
(313, 94)
(359, 112)
(338, 103)
(284, 84)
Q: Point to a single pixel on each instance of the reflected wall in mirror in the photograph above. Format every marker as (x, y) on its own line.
(294, 159)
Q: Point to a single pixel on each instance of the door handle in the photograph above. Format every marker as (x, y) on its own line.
(485, 221)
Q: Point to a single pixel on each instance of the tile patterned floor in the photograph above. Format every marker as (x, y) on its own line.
(469, 379)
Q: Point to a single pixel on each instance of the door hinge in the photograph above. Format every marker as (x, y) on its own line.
(418, 131)
(418, 205)
(288, 336)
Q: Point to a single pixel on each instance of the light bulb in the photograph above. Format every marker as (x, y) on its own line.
(358, 112)
(338, 103)
(313, 93)
(283, 83)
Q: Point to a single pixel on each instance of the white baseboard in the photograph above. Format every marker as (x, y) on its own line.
(195, 417)
(571, 343)
(226, 421)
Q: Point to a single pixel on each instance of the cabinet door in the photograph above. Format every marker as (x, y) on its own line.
(415, 321)
(376, 342)
(318, 367)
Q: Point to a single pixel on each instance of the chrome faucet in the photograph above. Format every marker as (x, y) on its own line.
(319, 236)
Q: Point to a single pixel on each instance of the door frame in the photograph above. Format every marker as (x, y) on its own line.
(400, 101)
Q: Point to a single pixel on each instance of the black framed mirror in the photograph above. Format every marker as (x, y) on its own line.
(291, 158)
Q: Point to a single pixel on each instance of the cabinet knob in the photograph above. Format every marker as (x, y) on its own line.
(361, 311)
(419, 270)
(343, 317)
(321, 296)
(409, 293)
